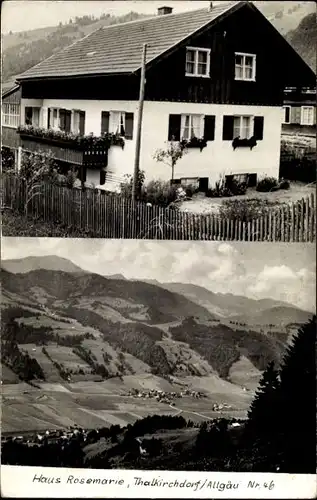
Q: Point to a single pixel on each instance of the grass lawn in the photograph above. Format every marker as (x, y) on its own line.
(19, 225)
(200, 204)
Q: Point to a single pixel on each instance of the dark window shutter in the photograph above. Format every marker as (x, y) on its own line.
(102, 177)
(49, 117)
(174, 127)
(258, 127)
(104, 122)
(227, 131)
(82, 115)
(129, 125)
(209, 132)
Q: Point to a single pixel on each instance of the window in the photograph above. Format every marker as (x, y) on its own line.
(245, 66)
(307, 115)
(287, 114)
(11, 114)
(32, 116)
(79, 117)
(197, 62)
(53, 118)
(242, 127)
(192, 126)
(117, 122)
(189, 126)
(190, 181)
(65, 120)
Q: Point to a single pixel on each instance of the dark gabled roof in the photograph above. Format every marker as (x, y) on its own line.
(8, 88)
(118, 48)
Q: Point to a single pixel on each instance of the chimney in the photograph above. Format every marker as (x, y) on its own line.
(162, 11)
(210, 6)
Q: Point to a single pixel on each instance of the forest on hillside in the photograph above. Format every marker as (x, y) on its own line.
(304, 39)
(25, 49)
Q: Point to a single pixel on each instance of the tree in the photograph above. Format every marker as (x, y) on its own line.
(170, 155)
(262, 409)
(282, 417)
(296, 412)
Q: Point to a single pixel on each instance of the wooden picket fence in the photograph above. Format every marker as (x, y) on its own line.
(102, 215)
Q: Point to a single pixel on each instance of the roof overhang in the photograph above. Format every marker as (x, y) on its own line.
(24, 79)
(10, 91)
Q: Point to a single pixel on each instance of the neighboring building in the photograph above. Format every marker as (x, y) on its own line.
(215, 74)
(10, 120)
(300, 111)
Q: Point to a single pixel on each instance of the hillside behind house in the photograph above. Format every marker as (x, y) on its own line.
(25, 49)
(304, 39)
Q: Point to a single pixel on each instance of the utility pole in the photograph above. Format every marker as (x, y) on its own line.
(139, 127)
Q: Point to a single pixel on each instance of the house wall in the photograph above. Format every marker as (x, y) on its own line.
(216, 159)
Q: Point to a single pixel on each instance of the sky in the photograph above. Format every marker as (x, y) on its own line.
(278, 271)
(16, 13)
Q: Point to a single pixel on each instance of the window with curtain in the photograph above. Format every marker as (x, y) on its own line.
(242, 127)
(191, 126)
(307, 115)
(245, 66)
(32, 116)
(64, 119)
(197, 62)
(117, 123)
(79, 122)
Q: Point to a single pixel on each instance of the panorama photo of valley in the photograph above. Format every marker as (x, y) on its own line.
(158, 355)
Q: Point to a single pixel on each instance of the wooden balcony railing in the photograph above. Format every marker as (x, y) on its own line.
(89, 151)
(61, 152)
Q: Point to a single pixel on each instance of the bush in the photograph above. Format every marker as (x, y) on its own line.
(244, 210)
(224, 188)
(191, 189)
(159, 193)
(267, 184)
(127, 184)
(298, 169)
(284, 184)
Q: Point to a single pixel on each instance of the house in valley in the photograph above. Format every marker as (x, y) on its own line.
(215, 78)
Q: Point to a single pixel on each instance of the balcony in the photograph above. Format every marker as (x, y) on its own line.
(90, 151)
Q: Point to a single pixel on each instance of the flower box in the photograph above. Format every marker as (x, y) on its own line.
(193, 143)
(67, 140)
(244, 143)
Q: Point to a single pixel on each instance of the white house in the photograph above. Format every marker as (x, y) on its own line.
(214, 77)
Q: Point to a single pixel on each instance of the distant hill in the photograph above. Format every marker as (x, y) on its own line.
(122, 327)
(304, 39)
(22, 50)
(240, 309)
(49, 262)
